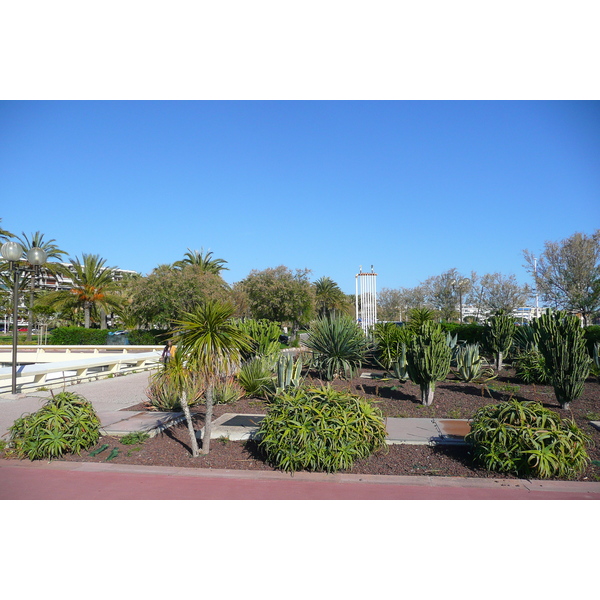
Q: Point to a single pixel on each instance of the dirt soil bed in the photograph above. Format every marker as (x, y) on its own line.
(453, 400)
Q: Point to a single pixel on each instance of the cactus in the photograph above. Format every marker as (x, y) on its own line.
(562, 344)
(499, 333)
(428, 359)
(595, 367)
(400, 366)
(288, 373)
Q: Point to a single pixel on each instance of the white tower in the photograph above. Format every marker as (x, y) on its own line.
(366, 299)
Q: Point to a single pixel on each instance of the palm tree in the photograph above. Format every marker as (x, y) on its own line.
(52, 251)
(212, 343)
(328, 296)
(5, 235)
(203, 260)
(93, 288)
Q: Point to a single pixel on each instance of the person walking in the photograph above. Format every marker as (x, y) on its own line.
(168, 352)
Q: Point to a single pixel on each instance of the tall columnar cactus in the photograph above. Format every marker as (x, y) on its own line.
(499, 333)
(428, 359)
(562, 344)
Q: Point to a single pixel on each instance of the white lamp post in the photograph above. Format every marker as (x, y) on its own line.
(12, 252)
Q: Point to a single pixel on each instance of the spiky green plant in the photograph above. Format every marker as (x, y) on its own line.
(498, 335)
(320, 429)
(470, 365)
(595, 367)
(562, 344)
(418, 316)
(256, 378)
(339, 346)
(428, 359)
(528, 440)
(264, 335)
(389, 341)
(67, 423)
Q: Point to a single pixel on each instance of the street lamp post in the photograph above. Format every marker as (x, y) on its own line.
(12, 252)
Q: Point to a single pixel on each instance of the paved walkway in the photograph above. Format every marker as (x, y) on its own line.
(64, 480)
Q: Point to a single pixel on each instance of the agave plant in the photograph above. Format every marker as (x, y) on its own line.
(339, 346)
(288, 373)
(470, 365)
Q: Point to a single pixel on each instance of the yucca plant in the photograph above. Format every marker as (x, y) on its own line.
(320, 429)
(527, 439)
(563, 346)
(339, 346)
(256, 377)
(67, 423)
(428, 359)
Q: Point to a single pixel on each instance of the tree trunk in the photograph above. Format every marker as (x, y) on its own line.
(188, 418)
(499, 361)
(103, 319)
(427, 390)
(86, 313)
(30, 311)
(208, 420)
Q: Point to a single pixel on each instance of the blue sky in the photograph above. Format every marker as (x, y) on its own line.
(413, 188)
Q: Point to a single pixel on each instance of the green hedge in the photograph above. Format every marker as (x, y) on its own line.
(592, 335)
(141, 337)
(77, 336)
(470, 333)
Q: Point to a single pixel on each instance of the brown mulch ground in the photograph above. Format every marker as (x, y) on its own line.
(453, 399)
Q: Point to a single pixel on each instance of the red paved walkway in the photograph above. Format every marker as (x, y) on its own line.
(23, 480)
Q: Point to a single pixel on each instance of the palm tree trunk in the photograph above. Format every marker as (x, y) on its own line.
(208, 420)
(86, 312)
(30, 311)
(188, 417)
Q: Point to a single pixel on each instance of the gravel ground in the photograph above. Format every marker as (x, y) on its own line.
(453, 399)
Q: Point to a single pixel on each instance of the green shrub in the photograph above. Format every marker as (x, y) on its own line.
(468, 333)
(528, 440)
(530, 367)
(147, 337)
(65, 424)
(320, 429)
(256, 377)
(592, 337)
(339, 346)
(77, 336)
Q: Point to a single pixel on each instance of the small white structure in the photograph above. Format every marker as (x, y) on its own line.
(366, 299)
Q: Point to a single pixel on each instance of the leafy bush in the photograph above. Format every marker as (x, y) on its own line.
(339, 346)
(530, 367)
(147, 337)
(77, 336)
(320, 429)
(592, 337)
(468, 333)
(256, 378)
(528, 440)
(65, 424)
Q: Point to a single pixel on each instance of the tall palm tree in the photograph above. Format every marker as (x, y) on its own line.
(93, 288)
(329, 297)
(212, 343)
(52, 251)
(203, 260)
(5, 235)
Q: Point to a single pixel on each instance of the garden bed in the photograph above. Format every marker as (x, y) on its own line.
(453, 399)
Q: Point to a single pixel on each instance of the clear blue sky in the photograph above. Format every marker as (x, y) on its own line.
(412, 187)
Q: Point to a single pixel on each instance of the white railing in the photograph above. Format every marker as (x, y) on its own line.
(51, 368)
